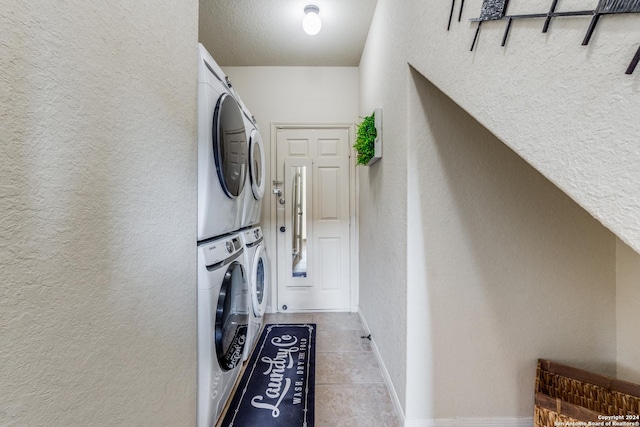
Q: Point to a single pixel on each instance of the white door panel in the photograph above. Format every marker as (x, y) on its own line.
(313, 250)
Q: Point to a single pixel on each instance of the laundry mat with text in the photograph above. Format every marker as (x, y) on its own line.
(277, 387)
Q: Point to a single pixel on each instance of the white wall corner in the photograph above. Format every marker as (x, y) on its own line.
(385, 373)
(471, 422)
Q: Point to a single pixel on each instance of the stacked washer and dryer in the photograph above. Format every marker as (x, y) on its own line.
(232, 263)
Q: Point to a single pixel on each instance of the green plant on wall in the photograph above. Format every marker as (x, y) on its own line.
(365, 140)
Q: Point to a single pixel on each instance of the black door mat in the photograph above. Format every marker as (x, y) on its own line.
(277, 387)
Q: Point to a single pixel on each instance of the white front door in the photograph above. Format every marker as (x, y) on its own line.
(312, 214)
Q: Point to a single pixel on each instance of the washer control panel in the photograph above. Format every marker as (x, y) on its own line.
(252, 235)
(218, 251)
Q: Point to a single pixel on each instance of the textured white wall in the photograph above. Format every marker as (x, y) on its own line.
(97, 213)
(383, 196)
(569, 110)
(504, 268)
(627, 314)
(297, 94)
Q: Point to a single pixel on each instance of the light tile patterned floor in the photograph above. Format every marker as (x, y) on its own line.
(350, 390)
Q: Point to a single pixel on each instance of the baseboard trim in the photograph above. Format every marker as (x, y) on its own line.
(442, 422)
(385, 373)
(472, 422)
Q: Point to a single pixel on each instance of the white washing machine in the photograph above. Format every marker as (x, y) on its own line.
(222, 152)
(223, 316)
(258, 267)
(256, 177)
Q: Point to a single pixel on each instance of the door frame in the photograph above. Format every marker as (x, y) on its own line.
(353, 208)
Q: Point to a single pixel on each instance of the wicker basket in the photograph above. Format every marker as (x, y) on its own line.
(566, 395)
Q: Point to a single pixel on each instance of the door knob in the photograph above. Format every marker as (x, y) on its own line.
(283, 229)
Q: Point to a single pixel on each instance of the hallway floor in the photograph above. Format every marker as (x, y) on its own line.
(350, 390)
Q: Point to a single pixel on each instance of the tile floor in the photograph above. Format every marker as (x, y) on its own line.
(350, 390)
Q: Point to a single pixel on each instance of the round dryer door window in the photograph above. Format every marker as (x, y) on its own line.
(259, 284)
(256, 160)
(232, 317)
(230, 145)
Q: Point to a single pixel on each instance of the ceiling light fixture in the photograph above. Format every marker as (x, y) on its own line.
(311, 22)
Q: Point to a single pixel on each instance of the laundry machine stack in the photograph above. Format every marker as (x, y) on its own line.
(231, 283)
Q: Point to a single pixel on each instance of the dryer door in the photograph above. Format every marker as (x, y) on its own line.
(232, 317)
(259, 281)
(256, 164)
(230, 145)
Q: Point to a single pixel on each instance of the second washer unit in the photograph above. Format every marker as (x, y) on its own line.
(223, 306)
(258, 269)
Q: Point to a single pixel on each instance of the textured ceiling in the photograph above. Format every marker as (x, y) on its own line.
(269, 32)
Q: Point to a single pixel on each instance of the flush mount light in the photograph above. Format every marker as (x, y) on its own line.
(311, 22)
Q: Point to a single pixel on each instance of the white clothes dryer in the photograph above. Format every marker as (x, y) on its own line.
(222, 152)
(223, 315)
(258, 267)
(256, 177)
